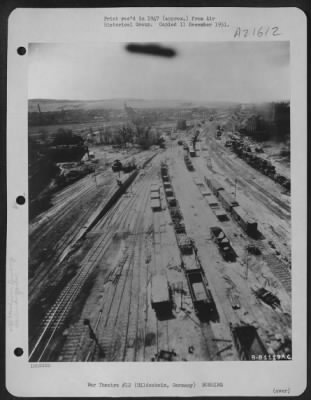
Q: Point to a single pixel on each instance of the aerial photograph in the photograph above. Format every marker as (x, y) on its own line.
(159, 188)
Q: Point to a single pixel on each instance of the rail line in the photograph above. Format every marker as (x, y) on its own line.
(259, 189)
(116, 327)
(116, 312)
(123, 319)
(277, 267)
(280, 271)
(59, 311)
(67, 240)
(208, 334)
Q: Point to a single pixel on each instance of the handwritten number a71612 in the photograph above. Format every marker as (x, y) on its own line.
(256, 32)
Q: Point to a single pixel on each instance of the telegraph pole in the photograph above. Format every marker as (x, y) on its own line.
(246, 275)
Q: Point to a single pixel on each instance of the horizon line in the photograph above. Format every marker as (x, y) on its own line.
(161, 99)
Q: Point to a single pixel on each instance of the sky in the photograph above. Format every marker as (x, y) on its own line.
(205, 71)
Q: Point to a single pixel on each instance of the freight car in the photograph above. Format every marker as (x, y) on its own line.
(227, 200)
(179, 227)
(198, 181)
(155, 187)
(191, 263)
(212, 201)
(185, 244)
(248, 224)
(165, 178)
(221, 215)
(192, 152)
(161, 295)
(247, 342)
(155, 205)
(171, 200)
(205, 193)
(214, 185)
(223, 244)
(154, 195)
(176, 213)
(200, 294)
(169, 192)
(167, 185)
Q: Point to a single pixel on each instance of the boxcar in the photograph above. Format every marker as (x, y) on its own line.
(221, 215)
(248, 342)
(154, 195)
(171, 201)
(169, 192)
(249, 225)
(161, 294)
(206, 193)
(214, 185)
(212, 201)
(227, 200)
(155, 205)
(155, 187)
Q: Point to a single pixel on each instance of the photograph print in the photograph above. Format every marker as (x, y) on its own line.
(159, 202)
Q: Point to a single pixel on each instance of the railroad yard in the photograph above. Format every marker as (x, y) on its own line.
(185, 258)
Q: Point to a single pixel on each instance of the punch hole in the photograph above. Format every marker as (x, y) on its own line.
(21, 50)
(18, 351)
(20, 200)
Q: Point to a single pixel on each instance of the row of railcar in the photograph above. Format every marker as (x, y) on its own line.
(248, 224)
(172, 202)
(188, 162)
(200, 293)
(259, 163)
(161, 291)
(155, 197)
(212, 201)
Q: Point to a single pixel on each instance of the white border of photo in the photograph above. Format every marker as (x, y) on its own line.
(240, 378)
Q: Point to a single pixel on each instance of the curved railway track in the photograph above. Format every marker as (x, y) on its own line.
(58, 313)
(60, 251)
(56, 316)
(118, 312)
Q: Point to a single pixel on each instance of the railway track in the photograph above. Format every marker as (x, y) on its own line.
(58, 313)
(211, 350)
(277, 267)
(275, 319)
(118, 328)
(57, 215)
(279, 207)
(162, 327)
(84, 193)
(56, 255)
(280, 271)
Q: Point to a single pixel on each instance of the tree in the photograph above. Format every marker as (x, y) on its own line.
(126, 133)
(66, 137)
(143, 136)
